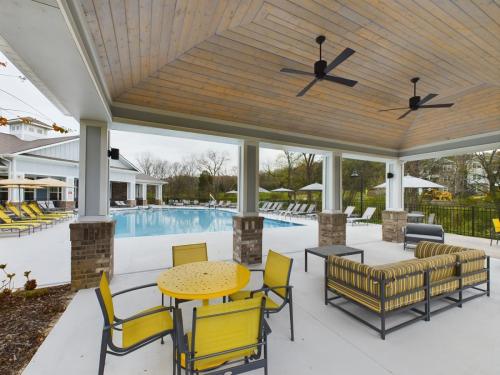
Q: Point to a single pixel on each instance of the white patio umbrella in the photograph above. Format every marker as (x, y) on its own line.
(415, 182)
(52, 182)
(261, 190)
(282, 190)
(19, 183)
(313, 187)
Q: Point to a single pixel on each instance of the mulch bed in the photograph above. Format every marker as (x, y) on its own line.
(26, 318)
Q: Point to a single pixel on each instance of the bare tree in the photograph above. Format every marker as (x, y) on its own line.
(146, 162)
(490, 163)
(212, 162)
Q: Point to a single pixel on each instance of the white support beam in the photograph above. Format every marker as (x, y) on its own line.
(394, 191)
(332, 183)
(158, 192)
(248, 179)
(94, 169)
(68, 193)
(144, 191)
(131, 191)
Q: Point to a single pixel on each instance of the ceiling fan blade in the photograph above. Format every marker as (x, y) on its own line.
(342, 81)
(392, 109)
(345, 54)
(404, 114)
(306, 89)
(446, 105)
(294, 71)
(427, 98)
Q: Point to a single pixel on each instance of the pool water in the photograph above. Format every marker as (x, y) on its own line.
(156, 222)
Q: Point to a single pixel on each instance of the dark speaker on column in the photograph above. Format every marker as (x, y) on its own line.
(390, 175)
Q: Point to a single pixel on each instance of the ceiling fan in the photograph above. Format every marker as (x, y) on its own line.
(321, 69)
(416, 103)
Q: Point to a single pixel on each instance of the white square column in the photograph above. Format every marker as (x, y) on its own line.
(332, 182)
(68, 194)
(144, 193)
(93, 197)
(394, 190)
(248, 179)
(248, 225)
(131, 194)
(159, 194)
(332, 221)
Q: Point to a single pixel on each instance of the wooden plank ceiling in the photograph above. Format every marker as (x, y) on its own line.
(221, 59)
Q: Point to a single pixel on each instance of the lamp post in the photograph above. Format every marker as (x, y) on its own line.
(355, 174)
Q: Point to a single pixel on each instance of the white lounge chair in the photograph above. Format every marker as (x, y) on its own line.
(367, 215)
(293, 211)
(287, 210)
(300, 211)
(349, 210)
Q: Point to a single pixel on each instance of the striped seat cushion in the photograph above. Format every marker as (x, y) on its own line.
(472, 260)
(442, 268)
(427, 249)
(366, 280)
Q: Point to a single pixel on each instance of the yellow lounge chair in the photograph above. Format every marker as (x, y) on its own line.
(32, 215)
(7, 220)
(31, 218)
(34, 207)
(276, 280)
(18, 228)
(233, 335)
(136, 331)
(495, 230)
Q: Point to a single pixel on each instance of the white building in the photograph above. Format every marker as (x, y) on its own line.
(29, 152)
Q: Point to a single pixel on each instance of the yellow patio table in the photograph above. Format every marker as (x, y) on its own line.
(203, 280)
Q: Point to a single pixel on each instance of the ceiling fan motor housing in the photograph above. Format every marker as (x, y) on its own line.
(414, 100)
(319, 68)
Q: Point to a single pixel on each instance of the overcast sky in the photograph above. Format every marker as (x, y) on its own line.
(21, 98)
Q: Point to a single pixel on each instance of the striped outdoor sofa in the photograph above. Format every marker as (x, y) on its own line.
(438, 272)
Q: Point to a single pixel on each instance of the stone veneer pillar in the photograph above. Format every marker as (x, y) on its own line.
(247, 239)
(393, 222)
(141, 202)
(332, 228)
(66, 205)
(131, 203)
(158, 201)
(92, 247)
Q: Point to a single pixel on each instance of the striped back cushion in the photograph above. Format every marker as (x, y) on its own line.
(360, 278)
(472, 260)
(442, 267)
(428, 249)
(402, 284)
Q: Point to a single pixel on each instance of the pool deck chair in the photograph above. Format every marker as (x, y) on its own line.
(287, 210)
(190, 253)
(31, 217)
(367, 215)
(137, 330)
(15, 228)
(276, 280)
(7, 220)
(495, 230)
(349, 210)
(227, 338)
(37, 211)
(28, 211)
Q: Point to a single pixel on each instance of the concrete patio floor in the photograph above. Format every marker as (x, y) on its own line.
(459, 341)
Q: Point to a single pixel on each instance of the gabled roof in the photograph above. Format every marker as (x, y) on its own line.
(146, 178)
(10, 144)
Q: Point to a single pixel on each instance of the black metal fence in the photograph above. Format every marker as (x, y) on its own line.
(474, 221)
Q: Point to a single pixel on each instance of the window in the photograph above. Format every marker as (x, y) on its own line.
(4, 194)
(29, 194)
(55, 194)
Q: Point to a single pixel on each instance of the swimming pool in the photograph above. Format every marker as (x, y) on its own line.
(157, 222)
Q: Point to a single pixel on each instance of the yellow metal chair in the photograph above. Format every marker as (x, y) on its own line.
(32, 215)
(184, 254)
(276, 280)
(136, 331)
(233, 335)
(495, 230)
(7, 221)
(38, 211)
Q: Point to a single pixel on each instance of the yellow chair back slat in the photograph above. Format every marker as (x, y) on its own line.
(14, 209)
(183, 254)
(5, 218)
(496, 225)
(227, 326)
(27, 211)
(35, 208)
(107, 299)
(277, 272)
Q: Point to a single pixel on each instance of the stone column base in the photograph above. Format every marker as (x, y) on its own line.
(158, 201)
(65, 205)
(393, 223)
(141, 202)
(247, 239)
(92, 248)
(332, 228)
(130, 203)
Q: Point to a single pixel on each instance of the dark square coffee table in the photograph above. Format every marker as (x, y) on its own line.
(338, 250)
